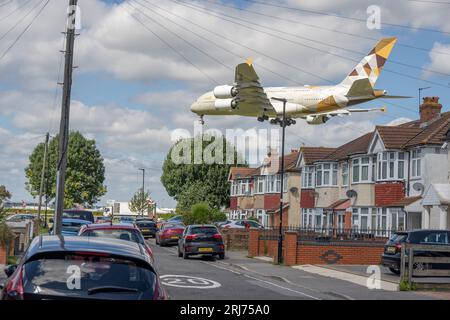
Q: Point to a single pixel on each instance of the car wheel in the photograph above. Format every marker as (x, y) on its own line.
(394, 270)
(221, 256)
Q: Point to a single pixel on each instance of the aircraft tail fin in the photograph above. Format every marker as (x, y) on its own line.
(371, 65)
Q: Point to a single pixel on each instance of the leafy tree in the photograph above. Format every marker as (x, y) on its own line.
(85, 171)
(202, 213)
(138, 203)
(6, 236)
(192, 181)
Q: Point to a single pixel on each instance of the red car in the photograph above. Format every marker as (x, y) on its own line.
(169, 233)
(129, 232)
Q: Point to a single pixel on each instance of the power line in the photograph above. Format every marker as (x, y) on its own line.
(343, 17)
(21, 20)
(209, 12)
(431, 1)
(15, 10)
(24, 30)
(5, 3)
(170, 46)
(340, 32)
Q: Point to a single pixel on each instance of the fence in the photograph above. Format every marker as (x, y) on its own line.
(330, 234)
(419, 260)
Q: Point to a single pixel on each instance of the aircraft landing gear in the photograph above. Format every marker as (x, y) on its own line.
(279, 121)
(202, 122)
(263, 118)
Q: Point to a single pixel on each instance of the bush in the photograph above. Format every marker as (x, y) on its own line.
(202, 213)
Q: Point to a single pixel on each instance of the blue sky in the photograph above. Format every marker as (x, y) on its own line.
(131, 90)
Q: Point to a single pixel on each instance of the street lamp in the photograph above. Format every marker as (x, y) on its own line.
(420, 93)
(283, 123)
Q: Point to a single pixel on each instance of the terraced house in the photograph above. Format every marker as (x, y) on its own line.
(396, 177)
(255, 192)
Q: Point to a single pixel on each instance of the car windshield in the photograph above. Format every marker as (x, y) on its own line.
(433, 237)
(146, 224)
(172, 225)
(97, 275)
(398, 237)
(204, 230)
(73, 226)
(121, 234)
(82, 215)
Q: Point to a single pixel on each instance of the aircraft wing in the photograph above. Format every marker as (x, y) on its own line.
(251, 96)
(346, 112)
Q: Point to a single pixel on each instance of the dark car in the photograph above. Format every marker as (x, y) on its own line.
(71, 227)
(126, 231)
(169, 233)
(57, 268)
(79, 214)
(201, 239)
(148, 228)
(392, 250)
(21, 217)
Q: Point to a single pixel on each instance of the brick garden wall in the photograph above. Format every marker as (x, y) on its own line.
(314, 252)
(235, 239)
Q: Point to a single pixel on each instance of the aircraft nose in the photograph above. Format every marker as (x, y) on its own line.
(195, 107)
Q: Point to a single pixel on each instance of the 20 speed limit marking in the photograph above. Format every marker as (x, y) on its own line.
(181, 281)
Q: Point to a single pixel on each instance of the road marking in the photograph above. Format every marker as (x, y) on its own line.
(281, 287)
(345, 276)
(182, 281)
(223, 268)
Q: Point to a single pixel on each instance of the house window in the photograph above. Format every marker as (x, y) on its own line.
(307, 218)
(415, 162)
(308, 177)
(345, 174)
(326, 174)
(274, 183)
(363, 219)
(391, 165)
(260, 184)
(362, 170)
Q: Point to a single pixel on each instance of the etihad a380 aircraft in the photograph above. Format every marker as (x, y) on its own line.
(315, 104)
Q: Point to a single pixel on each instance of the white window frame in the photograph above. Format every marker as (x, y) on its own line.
(260, 182)
(388, 165)
(308, 177)
(416, 162)
(345, 173)
(359, 166)
(329, 169)
(307, 218)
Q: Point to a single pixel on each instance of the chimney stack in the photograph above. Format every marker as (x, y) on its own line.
(430, 109)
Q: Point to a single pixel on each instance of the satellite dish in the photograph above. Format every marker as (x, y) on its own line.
(351, 194)
(419, 187)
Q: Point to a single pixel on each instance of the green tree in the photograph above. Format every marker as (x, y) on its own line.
(138, 203)
(191, 182)
(202, 213)
(6, 236)
(85, 171)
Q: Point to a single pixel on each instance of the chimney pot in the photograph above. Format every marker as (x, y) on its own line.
(430, 109)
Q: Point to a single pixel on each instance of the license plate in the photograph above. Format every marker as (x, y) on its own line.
(174, 237)
(391, 250)
(205, 249)
(145, 230)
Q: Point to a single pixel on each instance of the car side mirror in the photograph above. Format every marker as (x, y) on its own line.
(9, 270)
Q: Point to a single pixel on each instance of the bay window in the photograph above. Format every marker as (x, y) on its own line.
(308, 177)
(260, 184)
(391, 165)
(273, 183)
(416, 162)
(326, 174)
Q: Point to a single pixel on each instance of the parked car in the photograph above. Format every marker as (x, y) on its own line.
(110, 269)
(221, 223)
(178, 218)
(242, 224)
(79, 214)
(70, 227)
(201, 239)
(127, 220)
(148, 228)
(169, 233)
(21, 217)
(391, 257)
(128, 232)
(102, 219)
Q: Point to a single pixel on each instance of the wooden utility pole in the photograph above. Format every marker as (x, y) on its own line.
(65, 112)
(43, 175)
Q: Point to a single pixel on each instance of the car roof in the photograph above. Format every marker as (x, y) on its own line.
(202, 225)
(109, 226)
(52, 243)
(75, 211)
(76, 220)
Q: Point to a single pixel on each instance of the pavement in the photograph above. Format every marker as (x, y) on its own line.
(239, 277)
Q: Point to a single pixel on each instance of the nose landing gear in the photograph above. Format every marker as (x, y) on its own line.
(202, 122)
(263, 118)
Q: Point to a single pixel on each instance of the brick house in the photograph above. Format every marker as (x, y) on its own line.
(255, 192)
(377, 181)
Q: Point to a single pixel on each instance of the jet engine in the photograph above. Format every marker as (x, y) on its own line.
(317, 119)
(225, 92)
(225, 104)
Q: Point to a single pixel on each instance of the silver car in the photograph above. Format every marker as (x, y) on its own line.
(242, 224)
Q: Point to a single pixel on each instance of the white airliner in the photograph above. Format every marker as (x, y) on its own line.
(315, 104)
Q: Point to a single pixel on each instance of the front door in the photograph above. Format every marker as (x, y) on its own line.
(341, 221)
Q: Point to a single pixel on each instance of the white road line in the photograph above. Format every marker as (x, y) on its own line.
(281, 287)
(223, 268)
